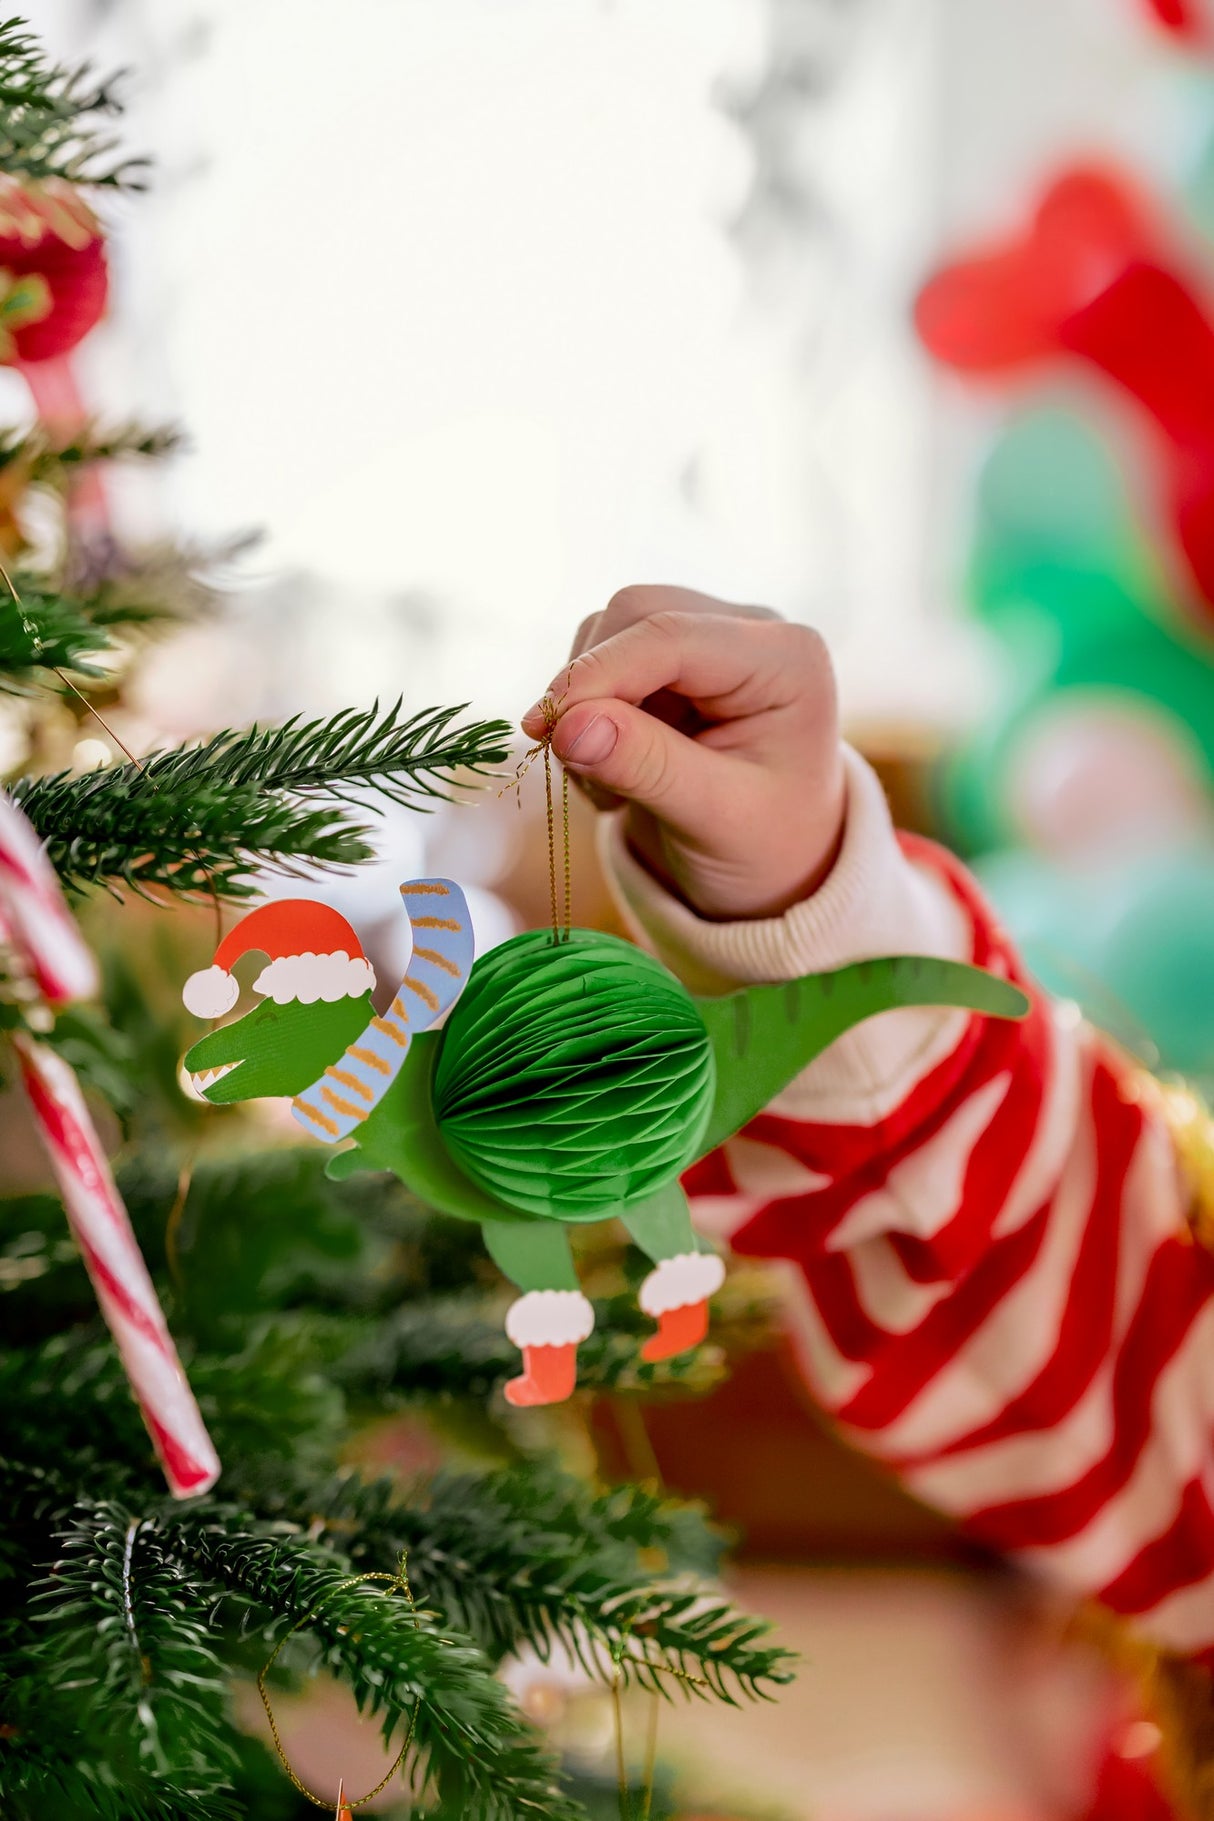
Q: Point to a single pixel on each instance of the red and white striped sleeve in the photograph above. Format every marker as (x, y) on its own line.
(995, 1290)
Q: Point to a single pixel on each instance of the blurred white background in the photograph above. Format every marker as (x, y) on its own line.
(481, 309)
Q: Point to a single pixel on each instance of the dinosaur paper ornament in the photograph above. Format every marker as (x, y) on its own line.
(574, 1080)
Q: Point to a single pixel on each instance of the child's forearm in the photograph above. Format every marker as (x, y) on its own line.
(999, 1297)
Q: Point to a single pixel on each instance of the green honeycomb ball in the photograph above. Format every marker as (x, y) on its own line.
(574, 1076)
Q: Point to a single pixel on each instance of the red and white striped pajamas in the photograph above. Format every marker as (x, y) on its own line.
(996, 1293)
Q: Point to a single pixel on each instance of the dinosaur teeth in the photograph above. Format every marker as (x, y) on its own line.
(206, 1078)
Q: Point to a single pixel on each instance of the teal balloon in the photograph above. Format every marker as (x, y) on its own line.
(1157, 956)
(1053, 510)
(1193, 104)
(1052, 483)
(1133, 944)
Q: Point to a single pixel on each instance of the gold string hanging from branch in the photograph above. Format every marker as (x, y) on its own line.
(397, 1583)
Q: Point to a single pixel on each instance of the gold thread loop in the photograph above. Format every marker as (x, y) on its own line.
(398, 1582)
(551, 837)
(561, 914)
(621, 1655)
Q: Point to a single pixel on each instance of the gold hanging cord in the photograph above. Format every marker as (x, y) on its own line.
(561, 912)
(397, 1583)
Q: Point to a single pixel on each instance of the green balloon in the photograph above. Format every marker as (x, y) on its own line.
(1080, 610)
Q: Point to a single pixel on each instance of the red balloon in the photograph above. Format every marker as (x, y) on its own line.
(1006, 306)
(1184, 17)
(1094, 279)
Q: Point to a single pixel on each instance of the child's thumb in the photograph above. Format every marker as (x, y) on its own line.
(631, 754)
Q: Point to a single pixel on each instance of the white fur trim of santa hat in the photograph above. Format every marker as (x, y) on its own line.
(304, 979)
(549, 1318)
(690, 1277)
(210, 993)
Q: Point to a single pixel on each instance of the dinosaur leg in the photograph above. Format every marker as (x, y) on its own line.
(551, 1316)
(677, 1290)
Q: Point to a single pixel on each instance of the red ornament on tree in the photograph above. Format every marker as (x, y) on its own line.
(54, 282)
(53, 277)
(53, 287)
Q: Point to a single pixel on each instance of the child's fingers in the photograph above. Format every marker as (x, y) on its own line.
(628, 607)
(620, 750)
(585, 636)
(727, 666)
(642, 600)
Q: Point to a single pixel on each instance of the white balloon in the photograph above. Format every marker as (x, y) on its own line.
(1105, 775)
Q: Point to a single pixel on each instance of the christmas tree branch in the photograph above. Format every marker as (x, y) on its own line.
(402, 759)
(76, 1700)
(113, 827)
(527, 1556)
(49, 115)
(47, 458)
(200, 818)
(159, 583)
(43, 634)
(125, 1632)
(397, 1661)
(41, 1757)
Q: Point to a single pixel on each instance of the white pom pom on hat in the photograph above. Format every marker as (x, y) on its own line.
(210, 993)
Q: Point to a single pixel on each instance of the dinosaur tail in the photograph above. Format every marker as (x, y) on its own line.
(764, 1036)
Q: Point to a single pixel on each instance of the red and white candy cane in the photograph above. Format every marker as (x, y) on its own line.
(115, 1264)
(46, 945)
(34, 921)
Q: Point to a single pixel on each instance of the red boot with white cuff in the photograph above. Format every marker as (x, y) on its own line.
(547, 1325)
(676, 1294)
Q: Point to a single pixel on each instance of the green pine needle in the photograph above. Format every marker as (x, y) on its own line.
(45, 633)
(50, 118)
(404, 759)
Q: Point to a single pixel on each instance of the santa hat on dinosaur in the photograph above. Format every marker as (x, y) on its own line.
(313, 954)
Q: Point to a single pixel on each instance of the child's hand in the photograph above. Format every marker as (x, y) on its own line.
(718, 726)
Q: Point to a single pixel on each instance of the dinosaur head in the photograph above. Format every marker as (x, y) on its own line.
(275, 1049)
(316, 998)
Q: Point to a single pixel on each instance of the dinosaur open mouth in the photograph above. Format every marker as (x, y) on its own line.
(206, 1078)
